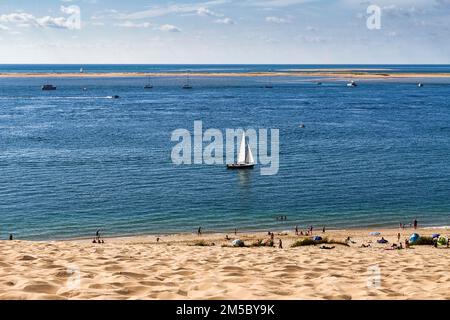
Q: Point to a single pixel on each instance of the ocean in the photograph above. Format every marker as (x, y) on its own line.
(73, 161)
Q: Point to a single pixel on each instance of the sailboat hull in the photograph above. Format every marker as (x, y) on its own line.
(240, 166)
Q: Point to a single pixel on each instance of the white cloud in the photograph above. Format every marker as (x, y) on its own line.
(23, 19)
(203, 11)
(277, 20)
(158, 11)
(130, 24)
(224, 21)
(4, 28)
(169, 28)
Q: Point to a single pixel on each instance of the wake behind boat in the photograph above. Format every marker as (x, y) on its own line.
(245, 157)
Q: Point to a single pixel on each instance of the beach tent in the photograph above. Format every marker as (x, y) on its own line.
(317, 238)
(414, 237)
(375, 233)
(435, 235)
(237, 243)
(442, 241)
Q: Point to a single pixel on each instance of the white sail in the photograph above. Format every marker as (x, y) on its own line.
(249, 156)
(241, 155)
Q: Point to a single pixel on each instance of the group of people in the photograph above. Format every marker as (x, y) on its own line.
(413, 224)
(307, 232)
(97, 238)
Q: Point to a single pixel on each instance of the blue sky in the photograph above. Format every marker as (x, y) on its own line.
(223, 31)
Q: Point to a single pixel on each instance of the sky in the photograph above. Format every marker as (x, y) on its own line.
(225, 31)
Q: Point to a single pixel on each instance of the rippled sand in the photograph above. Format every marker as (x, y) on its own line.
(141, 268)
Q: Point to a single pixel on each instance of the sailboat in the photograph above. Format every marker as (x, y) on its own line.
(269, 84)
(245, 157)
(187, 85)
(149, 84)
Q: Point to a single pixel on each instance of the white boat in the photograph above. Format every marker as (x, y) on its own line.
(351, 84)
(81, 70)
(245, 157)
(420, 85)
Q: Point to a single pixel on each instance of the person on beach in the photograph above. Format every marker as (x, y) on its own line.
(235, 231)
(296, 230)
(415, 223)
(10, 236)
(280, 244)
(97, 235)
(323, 229)
(272, 236)
(406, 244)
(398, 237)
(199, 231)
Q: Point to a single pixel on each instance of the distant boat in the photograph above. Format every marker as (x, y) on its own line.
(352, 84)
(301, 125)
(48, 87)
(420, 85)
(115, 96)
(149, 84)
(187, 84)
(81, 70)
(245, 157)
(269, 84)
(319, 83)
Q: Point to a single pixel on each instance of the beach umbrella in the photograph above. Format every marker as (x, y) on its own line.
(435, 235)
(414, 237)
(317, 238)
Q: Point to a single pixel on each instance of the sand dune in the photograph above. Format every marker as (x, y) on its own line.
(140, 268)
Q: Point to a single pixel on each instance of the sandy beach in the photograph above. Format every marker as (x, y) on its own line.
(342, 74)
(176, 268)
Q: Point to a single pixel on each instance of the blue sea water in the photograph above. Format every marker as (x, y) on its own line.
(72, 161)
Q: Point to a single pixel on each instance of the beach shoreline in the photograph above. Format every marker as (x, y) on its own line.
(191, 266)
(309, 74)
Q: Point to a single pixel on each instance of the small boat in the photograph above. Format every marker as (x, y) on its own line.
(301, 125)
(269, 84)
(115, 96)
(319, 83)
(81, 70)
(352, 84)
(48, 87)
(149, 84)
(245, 157)
(420, 85)
(187, 84)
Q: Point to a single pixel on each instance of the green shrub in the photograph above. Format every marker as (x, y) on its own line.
(202, 243)
(423, 241)
(310, 242)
